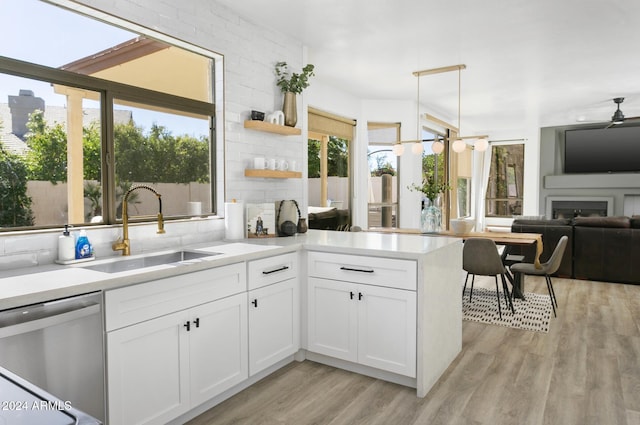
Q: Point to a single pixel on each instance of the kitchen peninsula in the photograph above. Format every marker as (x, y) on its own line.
(390, 282)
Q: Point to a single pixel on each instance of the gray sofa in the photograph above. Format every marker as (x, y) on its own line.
(600, 248)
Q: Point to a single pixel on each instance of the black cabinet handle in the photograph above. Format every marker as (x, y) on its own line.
(188, 326)
(255, 303)
(360, 296)
(351, 294)
(197, 322)
(351, 269)
(279, 269)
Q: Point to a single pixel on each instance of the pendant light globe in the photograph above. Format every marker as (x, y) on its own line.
(458, 145)
(437, 147)
(398, 149)
(481, 145)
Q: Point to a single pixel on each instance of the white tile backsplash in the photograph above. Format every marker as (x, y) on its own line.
(41, 247)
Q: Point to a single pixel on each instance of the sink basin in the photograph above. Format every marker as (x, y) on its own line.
(127, 263)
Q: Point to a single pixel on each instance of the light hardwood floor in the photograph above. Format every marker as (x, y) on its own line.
(585, 371)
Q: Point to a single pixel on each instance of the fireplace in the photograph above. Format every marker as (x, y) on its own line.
(569, 207)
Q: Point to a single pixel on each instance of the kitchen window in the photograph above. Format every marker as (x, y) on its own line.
(124, 108)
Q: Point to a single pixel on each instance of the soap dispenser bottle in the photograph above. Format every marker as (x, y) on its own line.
(83, 247)
(66, 245)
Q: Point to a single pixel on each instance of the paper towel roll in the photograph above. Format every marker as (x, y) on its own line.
(234, 220)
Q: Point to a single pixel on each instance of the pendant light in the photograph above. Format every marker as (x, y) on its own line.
(417, 147)
(398, 148)
(481, 144)
(459, 145)
(437, 146)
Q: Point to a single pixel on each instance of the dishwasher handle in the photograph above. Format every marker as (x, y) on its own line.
(45, 322)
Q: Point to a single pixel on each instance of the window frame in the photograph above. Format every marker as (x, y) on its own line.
(520, 188)
(108, 91)
(376, 125)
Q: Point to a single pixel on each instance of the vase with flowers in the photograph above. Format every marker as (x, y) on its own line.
(290, 84)
(431, 216)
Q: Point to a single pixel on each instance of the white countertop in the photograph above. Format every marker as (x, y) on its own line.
(37, 284)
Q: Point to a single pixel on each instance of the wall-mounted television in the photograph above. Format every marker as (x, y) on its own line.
(611, 150)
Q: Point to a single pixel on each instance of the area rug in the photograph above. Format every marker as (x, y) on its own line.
(533, 313)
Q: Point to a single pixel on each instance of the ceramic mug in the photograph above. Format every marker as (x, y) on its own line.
(293, 166)
(272, 164)
(283, 165)
(259, 163)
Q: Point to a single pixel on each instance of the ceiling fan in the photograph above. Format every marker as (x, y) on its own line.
(618, 117)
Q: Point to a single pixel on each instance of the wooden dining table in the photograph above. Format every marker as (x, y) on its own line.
(500, 238)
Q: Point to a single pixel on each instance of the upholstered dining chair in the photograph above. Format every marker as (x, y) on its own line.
(480, 256)
(546, 269)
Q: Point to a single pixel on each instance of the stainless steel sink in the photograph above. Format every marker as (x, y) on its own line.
(122, 264)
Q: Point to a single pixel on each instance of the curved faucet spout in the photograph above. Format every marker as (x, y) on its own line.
(124, 243)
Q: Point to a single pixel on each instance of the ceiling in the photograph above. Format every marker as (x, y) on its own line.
(530, 64)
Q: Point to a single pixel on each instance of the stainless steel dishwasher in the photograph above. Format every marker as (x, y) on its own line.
(58, 346)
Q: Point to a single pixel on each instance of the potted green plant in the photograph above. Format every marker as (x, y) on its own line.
(290, 84)
(430, 188)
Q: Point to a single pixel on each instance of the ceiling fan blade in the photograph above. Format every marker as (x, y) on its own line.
(626, 120)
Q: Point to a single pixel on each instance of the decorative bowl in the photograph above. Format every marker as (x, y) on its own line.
(460, 226)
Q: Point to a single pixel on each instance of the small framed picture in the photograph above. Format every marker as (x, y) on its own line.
(261, 220)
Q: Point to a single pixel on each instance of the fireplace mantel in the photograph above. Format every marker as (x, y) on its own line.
(592, 181)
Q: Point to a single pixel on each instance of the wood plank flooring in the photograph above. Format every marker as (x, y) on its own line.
(585, 371)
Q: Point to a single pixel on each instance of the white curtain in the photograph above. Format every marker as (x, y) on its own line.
(481, 188)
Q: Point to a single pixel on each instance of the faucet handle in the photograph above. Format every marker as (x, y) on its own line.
(120, 245)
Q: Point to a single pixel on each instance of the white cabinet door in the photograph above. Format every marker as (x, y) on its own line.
(387, 329)
(274, 324)
(332, 318)
(217, 347)
(159, 369)
(147, 368)
(367, 324)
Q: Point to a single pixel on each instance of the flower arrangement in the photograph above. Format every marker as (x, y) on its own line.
(293, 82)
(430, 188)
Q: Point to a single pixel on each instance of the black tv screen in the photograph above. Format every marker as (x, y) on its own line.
(611, 150)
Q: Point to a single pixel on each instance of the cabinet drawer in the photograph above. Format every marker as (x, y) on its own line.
(270, 270)
(136, 303)
(388, 272)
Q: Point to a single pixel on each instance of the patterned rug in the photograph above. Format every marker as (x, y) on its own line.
(533, 314)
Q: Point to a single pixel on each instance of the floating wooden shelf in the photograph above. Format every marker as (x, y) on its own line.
(272, 128)
(272, 174)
